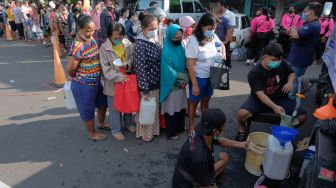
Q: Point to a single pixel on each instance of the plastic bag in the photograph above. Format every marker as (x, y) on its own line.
(126, 96)
(69, 100)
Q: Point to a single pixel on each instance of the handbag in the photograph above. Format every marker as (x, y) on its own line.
(126, 96)
(219, 77)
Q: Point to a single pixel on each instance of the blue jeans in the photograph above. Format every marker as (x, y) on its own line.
(299, 72)
(116, 117)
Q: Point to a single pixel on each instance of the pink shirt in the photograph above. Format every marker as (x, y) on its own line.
(287, 20)
(300, 23)
(96, 19)
(327, 24)
(261, 25)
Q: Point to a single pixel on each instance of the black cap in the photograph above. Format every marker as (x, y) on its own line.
(211, 119)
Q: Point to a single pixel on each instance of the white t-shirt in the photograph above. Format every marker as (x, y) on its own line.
(18, 15)
(205, 55)
(231, 18)
(122, 22)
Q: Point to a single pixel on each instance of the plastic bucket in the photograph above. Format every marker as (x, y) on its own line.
(255, 153)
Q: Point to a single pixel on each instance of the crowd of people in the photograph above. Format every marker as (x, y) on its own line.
(171, 60)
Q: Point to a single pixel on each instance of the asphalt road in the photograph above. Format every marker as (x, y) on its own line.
(42, 144)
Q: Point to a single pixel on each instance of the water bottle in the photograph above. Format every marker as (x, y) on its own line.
(307, 158)
(219, 56)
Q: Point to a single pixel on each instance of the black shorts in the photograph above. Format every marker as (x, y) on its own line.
(12, 25)
(255, 106)
(61, 39)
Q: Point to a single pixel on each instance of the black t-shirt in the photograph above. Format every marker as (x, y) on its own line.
(197, 159)
(269, 81)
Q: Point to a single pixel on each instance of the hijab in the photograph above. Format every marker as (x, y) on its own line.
(173, 61)
(186, 22)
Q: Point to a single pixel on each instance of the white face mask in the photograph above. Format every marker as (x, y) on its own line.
(151, 34)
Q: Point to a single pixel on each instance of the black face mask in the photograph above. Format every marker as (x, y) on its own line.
(177, 42)
(291, 11)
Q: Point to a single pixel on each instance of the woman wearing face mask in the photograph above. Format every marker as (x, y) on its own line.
(201, 55)
(187, 23)
(116, 47)
(173, 80)
(96, 17)
(147, 57)
(131, 28)
(85, 70)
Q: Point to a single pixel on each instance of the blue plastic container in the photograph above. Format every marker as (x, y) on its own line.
(284, 134)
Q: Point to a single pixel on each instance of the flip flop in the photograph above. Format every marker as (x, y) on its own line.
(147, 139)
(97, 137)
(104, 127)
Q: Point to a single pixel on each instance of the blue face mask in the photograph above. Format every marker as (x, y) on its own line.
(209, 34)
(117, 42)
(304, 16)
(274, 64)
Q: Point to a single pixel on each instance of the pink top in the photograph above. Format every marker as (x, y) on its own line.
(287, 20)
(96, 19)
(327, 25)
(261, 25)
(300, 23)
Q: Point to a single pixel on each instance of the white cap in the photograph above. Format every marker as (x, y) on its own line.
(52, 4)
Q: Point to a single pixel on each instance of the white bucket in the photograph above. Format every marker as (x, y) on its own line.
(147, 111)
(255, 153)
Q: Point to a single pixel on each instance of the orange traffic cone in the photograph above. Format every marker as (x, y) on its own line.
(59, 74)
(326, 112)
(8, 33)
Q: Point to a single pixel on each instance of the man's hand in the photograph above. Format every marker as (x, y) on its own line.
(279, 110)
(195, 90)
(293, 33)
(287, 88)
(245, 145)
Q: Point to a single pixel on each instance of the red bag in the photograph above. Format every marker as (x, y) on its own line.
(126, 96)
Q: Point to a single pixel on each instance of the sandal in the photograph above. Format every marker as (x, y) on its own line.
(147, 139)
(104, 127)
(119, 136)
(174, 137)
(97, 136)
(131, 129)
(241, 136)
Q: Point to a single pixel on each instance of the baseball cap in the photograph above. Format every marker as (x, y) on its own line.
(211, 119)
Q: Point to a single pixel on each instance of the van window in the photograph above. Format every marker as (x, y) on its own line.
(144, 4)
(243, 21)
(198, 7)
(188, 6)
(237, 22)
(175, 6)
(248, 23)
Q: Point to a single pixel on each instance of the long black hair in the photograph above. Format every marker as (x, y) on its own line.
(207, 19)
(83, 20)
(264, 11)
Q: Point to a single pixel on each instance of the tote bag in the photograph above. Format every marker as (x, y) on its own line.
(219, 77)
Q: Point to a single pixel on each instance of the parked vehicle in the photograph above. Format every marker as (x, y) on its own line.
(241, 32)
(175, 8)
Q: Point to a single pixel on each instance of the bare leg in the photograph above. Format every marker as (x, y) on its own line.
(192, 110)
(205, 104)
(92, 132)
(243, 116)
(101, 114)
(221, 164)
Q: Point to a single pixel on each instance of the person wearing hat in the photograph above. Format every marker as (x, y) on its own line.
(196, 166)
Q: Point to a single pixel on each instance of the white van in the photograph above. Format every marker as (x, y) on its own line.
(175, 8)
(241, 32)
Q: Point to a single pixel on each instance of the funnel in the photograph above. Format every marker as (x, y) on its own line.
(326, 112)
(284, 134)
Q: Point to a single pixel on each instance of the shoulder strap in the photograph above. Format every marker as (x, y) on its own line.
(291, 23)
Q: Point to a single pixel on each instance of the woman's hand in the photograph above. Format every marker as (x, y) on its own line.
(195, 90)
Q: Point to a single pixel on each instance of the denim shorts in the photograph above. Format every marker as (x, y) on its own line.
(255, 106)
(88, 98)
(205, 88)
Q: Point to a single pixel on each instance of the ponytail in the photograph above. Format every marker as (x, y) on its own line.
(264, 11)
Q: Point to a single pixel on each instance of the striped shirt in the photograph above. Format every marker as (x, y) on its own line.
(89, 69)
